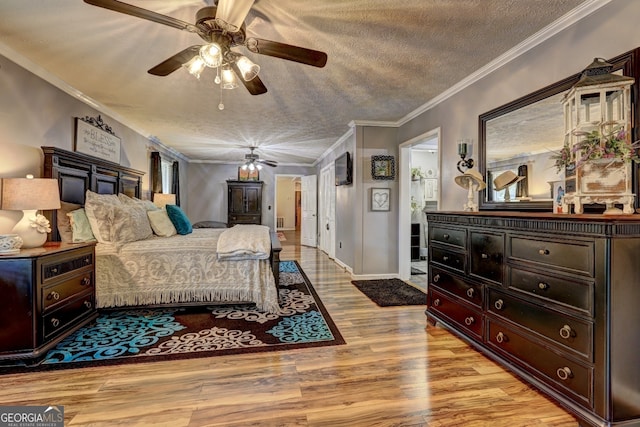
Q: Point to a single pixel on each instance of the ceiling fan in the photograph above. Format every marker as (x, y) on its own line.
(222, 27)
(253, 161)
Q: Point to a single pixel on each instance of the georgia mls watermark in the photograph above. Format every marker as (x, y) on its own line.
(31, 416)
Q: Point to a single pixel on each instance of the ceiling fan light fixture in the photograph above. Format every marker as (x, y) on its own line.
(247, 68)
(245, 167)
(229, 80)
(230, 14)
(211, 54)
(252, 167)
(259, 166)
(195, 66)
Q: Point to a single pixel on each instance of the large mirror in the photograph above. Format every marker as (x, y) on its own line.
(519, 138)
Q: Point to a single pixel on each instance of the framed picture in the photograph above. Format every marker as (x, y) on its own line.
(383, 167)
(380, 199)
(97, 139)
(248, 175)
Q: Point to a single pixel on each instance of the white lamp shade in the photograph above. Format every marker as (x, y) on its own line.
(231, 13)
(195, 66)
(229, 80)
(211, 54)
(161, 200)
(30, 194)
(247, 68)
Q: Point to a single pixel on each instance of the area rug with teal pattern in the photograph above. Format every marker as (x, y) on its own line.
(154, 334)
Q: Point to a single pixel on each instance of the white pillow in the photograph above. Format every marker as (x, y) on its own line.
(99, 212)
(147, 204)
(161, 224)
(129, 223)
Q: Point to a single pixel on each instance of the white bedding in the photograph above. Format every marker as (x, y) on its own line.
(180, 269)
(244, 241)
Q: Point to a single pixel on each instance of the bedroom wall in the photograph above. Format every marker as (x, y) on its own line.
(605, 33)
(34, 113)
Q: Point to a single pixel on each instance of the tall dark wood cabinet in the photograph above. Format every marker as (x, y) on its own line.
(244, 202)
(554, 298)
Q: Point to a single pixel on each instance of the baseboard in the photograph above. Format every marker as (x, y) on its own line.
(343, 265)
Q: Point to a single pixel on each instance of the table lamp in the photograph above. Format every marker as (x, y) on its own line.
(29, 195)
(161, 200)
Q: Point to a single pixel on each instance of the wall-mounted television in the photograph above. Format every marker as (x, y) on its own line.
(344, 169)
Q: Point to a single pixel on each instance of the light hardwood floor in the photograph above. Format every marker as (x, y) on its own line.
(394, 371)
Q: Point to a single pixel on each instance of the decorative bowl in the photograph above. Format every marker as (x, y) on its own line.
(10, 244)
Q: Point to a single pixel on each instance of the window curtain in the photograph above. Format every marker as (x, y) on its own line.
(175, 181)
(156, 173)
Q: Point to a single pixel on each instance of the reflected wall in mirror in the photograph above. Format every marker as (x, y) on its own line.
(521, 137)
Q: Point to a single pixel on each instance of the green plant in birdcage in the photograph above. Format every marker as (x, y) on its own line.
(594, 145)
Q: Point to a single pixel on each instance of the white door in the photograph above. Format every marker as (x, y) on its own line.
(309, 230)
(327, 210)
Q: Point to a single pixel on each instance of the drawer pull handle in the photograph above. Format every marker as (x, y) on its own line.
(54, 270)
(543, 286)
(436, 278)
(501, 338)
(55, 322)
(470, 292)
(445, 236)
(484, 256)
(87, 260)
(566, 332)
(436, 302)
(498, 304)
(445, 258)
(53, 295)
(469, 321)
(86, 281)
(543, 251)
(88, 304)
(564, 373)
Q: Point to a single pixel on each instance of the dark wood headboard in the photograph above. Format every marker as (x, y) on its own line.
(76, 173)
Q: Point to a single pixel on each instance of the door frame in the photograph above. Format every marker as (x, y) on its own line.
(326, 185)
(404, 210)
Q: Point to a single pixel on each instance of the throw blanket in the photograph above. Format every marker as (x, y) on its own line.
(244, 241)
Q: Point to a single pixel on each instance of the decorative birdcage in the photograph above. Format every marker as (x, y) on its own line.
(597, 122)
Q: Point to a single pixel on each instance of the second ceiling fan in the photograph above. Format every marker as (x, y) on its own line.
(222, 28)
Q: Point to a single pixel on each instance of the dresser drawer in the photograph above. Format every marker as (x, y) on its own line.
(449, 236)
(58, 320)
(465, 317)
(573, 379)
(576, 257)
(469, 292)
(56, 266)
(54, 295)
(447, 258)
(576, 294)
(487, 254)
(245, 219)
(570, 333)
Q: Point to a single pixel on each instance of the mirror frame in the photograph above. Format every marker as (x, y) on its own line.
(629, 62)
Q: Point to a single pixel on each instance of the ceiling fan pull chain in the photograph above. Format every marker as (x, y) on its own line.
(221, 105)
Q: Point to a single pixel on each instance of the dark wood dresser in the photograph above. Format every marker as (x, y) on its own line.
(47, 293)
(554, 298)
(244, 203)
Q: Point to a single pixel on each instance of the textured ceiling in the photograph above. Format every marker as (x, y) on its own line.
(386, 59)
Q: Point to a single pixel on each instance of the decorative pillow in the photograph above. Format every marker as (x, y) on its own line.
(147, 204)
(179, 219)
(161, 224)
(64, 225)
(81, 229)
(129, 223)
(98, 209)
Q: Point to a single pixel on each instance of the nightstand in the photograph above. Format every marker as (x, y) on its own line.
(47, 293)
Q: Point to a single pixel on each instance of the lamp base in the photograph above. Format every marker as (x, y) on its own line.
(31, 237)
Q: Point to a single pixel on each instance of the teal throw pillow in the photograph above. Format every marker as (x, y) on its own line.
(179, 219)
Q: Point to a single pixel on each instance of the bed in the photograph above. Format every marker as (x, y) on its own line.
(178, 270)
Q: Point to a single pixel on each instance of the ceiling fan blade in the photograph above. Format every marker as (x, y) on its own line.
(139, 12)
(286, 51)
(232, 13)
(271, 163)
(173, 63)
(254, 86)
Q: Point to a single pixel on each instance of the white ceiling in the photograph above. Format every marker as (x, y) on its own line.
(386, 59)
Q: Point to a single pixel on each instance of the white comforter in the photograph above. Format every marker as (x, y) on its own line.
(180, 269)
(244, 241)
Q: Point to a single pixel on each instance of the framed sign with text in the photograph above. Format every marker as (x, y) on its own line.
(95, 138)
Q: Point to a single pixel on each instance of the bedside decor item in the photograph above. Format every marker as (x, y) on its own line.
(10, 244)
(161, 200)
(505, 180)
(472, 181)
(380, 199)
(598, 150)
(29, 195)
(383, 167)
